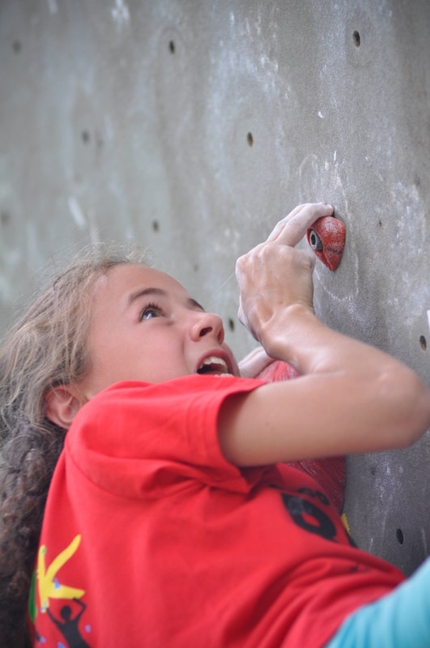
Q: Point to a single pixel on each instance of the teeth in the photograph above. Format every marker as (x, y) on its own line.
(213, 362)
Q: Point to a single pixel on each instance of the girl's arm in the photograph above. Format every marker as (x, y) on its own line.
(351, 397)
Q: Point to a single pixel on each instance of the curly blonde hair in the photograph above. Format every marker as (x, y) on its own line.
(44, 349)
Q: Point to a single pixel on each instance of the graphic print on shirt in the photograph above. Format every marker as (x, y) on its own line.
(309, 509)
(68, 626)
(49, 588)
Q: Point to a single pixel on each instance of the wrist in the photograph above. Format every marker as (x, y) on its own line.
(292, 334)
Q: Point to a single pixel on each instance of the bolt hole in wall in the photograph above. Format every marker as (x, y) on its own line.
(5, 217)
(250, 139)
(172, 47)
(399, 536)
(356, 38)
(85, 136)
(16, 46)
(231, 324)
(423, 343)
(155, 226)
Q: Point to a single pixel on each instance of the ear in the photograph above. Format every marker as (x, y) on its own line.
(62, 405)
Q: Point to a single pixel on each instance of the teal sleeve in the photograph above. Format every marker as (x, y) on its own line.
(399, 620)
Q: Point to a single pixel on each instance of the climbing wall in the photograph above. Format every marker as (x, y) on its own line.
(192, 126)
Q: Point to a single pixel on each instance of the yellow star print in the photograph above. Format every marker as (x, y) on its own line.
(49, 587)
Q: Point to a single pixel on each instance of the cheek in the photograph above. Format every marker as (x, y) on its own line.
(160, 352)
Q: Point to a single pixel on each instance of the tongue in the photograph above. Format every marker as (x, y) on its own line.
(212, 368)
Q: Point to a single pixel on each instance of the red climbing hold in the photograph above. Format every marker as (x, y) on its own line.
(327, 239)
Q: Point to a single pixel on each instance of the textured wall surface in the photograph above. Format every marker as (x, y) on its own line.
(192, 126)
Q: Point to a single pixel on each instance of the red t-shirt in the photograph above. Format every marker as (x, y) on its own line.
(152, 539)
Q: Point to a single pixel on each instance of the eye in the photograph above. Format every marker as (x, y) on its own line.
(150, 311)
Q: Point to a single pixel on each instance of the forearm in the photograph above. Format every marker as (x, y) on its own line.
(387, 401)
(325, 414)
(351, 397)
(305, 342)
(297, 336)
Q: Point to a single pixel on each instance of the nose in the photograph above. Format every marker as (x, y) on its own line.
(207, 324)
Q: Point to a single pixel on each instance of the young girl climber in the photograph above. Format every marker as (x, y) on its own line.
(170, 518)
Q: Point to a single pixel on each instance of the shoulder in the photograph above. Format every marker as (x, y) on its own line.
(183, 387)
(141, 394)
(166, 431)
(124, 412)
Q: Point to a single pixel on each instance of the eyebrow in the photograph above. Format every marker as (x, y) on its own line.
(143, 292)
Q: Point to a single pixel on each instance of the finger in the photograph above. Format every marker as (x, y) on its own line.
(254, 363)
(311, 257)
(281, 224)
(241, 314)
(294, 227)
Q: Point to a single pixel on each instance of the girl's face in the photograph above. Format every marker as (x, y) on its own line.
(145, 326)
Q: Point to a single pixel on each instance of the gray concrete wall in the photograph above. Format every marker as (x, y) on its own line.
(193, 126)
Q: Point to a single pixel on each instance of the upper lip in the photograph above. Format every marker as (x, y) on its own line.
(216, 354)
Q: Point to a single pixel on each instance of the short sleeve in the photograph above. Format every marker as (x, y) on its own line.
(142, 440)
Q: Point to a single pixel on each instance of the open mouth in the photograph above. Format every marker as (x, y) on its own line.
(213, 365)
